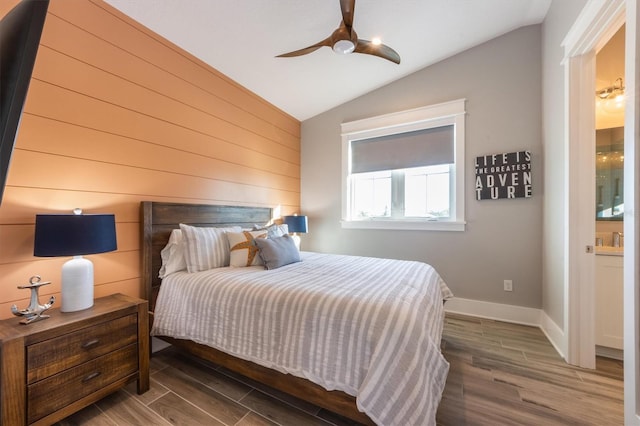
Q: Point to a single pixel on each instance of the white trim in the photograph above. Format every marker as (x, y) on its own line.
(389, 122)
(404, 225)
(437, 115)
(598, 20)
(610, 352)
(510, 313)
(597, 23)
(554, 333)
(494, 311)
(580, 212)
(632, 218)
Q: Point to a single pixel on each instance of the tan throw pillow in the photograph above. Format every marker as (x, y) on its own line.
(243, 249)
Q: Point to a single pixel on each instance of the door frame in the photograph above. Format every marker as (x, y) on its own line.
(594, 27)
(596, 24)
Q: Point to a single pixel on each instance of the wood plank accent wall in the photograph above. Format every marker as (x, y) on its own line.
(115, 115)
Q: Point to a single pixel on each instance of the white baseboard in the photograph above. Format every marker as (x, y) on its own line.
(511, 313)
(495, 311)
(158, 345)
(610, 352)
(554, 333)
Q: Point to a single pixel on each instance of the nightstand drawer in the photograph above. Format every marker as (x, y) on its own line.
(62, 389)
(55, 355)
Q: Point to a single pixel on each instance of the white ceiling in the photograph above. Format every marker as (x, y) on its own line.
(241, 38)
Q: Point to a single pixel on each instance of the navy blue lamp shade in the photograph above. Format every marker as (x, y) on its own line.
(296, 223)
(74, 235)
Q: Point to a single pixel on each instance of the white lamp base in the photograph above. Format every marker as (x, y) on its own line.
(296, 239)
(77, 284)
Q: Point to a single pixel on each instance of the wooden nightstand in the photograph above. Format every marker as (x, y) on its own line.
(52, 368)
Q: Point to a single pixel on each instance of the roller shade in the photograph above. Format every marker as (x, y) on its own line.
(426, 147)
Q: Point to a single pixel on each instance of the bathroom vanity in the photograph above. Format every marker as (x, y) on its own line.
(609, 279)
(609, 300)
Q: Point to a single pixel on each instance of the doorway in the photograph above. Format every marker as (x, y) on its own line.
(609, 193)
(597, 23)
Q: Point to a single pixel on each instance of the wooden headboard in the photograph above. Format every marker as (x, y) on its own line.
(158, 219)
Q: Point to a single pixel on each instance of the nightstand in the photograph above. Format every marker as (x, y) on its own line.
(52, 368)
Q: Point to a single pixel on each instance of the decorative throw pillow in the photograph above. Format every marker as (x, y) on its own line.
(206, 248)
(243, 249)
(277, 252)
(173, 255)
(273, 230)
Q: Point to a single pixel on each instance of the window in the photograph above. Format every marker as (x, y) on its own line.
(405, 170)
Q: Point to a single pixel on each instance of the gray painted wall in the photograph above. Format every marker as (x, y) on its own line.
(559, 19)
(502, 82)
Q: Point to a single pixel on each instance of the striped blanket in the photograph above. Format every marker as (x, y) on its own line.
(369, 327)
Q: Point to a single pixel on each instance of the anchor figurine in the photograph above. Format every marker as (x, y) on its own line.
(34, 312)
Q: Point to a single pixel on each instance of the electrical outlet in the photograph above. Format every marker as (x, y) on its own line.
(508, 285)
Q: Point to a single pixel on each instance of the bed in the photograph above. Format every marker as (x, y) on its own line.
(356, 346)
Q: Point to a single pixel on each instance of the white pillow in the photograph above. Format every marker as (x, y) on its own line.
(243, 249)
(173, 255)
(206, 248)
(274, 230)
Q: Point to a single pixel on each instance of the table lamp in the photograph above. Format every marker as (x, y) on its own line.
(75, 235)
(296, 224)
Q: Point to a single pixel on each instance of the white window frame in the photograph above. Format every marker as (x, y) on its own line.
(438, 115)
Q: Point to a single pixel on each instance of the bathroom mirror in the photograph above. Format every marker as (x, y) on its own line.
(609, 173)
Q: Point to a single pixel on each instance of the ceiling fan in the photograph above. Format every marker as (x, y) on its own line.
(344, 40)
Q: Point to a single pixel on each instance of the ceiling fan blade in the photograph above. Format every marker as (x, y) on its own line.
(309, 49)
(347, 7)
(381, 50)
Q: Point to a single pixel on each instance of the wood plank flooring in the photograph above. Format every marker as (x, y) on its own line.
(501, 374)
(507, 374)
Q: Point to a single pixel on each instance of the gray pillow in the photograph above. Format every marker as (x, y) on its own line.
(273, 230)
(277, 252)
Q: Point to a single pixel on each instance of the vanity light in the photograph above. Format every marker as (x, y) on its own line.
(75, 235)
(615, 91)
(611, 98)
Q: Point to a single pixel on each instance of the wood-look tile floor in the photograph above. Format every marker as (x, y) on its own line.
(507, 374)
(501, 374)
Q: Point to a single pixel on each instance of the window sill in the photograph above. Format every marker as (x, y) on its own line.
(404, 225)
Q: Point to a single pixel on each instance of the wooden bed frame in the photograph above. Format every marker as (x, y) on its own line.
(158, 219)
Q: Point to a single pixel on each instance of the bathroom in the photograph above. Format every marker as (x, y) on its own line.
(609, 197)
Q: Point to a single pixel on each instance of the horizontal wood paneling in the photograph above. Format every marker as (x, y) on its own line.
(55, 137)
(116, 115)
(21, 238)
(64, 72)
(108, 267)
(111, 26)
(6, 6)
(65, 106)
(84, 175)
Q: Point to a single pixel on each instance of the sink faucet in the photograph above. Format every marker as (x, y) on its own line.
(617, 239)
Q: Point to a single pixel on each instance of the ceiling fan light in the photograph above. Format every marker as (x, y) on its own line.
(343, 47)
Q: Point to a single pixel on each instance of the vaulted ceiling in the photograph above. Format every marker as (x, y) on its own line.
(241, 38)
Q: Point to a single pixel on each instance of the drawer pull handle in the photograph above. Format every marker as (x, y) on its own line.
(91, 376)
(90, 343)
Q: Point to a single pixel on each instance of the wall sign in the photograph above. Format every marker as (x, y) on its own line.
(506, 175)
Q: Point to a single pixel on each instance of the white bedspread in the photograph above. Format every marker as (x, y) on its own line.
(369, 327)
